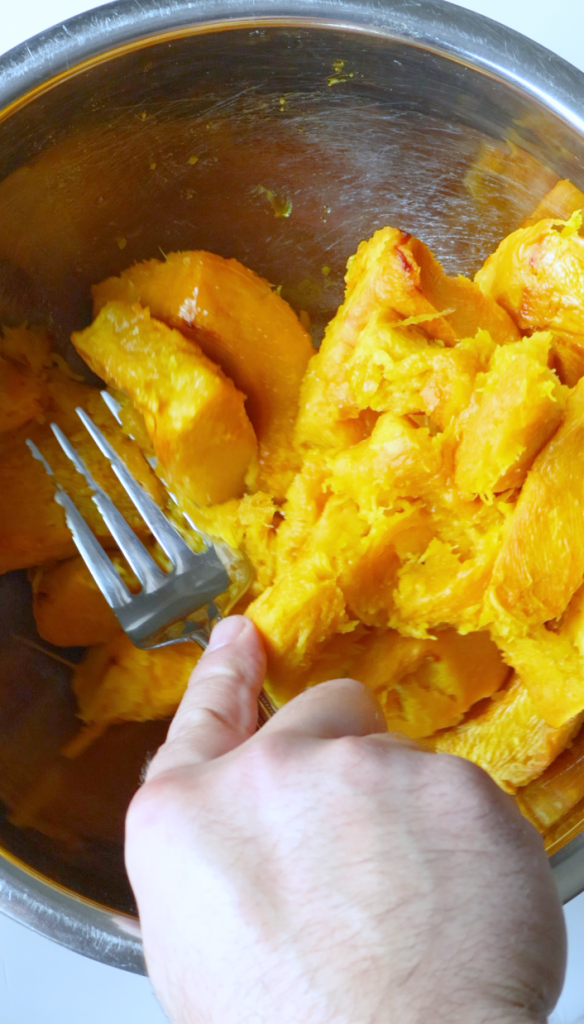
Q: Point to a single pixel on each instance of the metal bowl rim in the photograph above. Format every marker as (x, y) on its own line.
(442, 28)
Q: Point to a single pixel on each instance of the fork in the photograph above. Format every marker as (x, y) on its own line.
(171, 607)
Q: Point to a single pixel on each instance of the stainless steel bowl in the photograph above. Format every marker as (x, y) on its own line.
(345, 115)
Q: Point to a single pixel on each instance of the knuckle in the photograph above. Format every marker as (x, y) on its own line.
(355, 761)
(273, 749)
(269, 764)
(151, 803)
(460, 788)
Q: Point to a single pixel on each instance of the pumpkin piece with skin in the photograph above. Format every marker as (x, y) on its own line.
(506, 736)
(194, 415)
(547, 799)
(516, 406)
(241, 324)
(537, 275)
(394, 277)
(541, 561)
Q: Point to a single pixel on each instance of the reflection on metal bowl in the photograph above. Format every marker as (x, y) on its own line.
(281, 140)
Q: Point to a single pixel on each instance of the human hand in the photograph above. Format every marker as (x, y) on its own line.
(322, 871)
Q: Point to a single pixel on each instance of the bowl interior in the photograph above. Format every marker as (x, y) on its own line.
(284, 146)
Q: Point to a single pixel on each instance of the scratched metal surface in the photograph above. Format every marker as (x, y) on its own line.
(199, 141)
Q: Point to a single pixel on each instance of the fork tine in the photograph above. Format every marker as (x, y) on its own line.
(146, 569)
(177, 550)
(105, 575)
(113, 405)
(115, 408)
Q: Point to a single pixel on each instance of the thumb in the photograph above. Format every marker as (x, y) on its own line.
(219, 709)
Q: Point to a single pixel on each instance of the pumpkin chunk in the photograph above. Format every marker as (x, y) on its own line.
(398, 459)
(240, 323)
(395, 278)
(507, 738)
(464, 308)
(422, 685)
(448, 673)
(25, 355)
(295, 615)
(69, 608)
(27, 347)
(441, 586)
(20, 396)
(517, 405)
(33, 529)
(32, 526)
(537, 276)
(248, 525)
(117, 682)
(541, 562)
(556, 792)
(551, 669)
(385, 377)
(193, 413)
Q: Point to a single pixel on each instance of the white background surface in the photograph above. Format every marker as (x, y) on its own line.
(41, 983)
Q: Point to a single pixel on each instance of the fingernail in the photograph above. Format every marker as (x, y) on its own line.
(226, 631)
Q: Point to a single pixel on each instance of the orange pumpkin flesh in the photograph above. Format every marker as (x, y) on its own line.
(394, 276)
(429, 542)
(69, 608)
(33, 529)
(240, 323)
(507, 738)
(541, 562)
(537, 276)
(194, 415)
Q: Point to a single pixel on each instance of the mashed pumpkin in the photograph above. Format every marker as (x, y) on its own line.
(409, 497)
